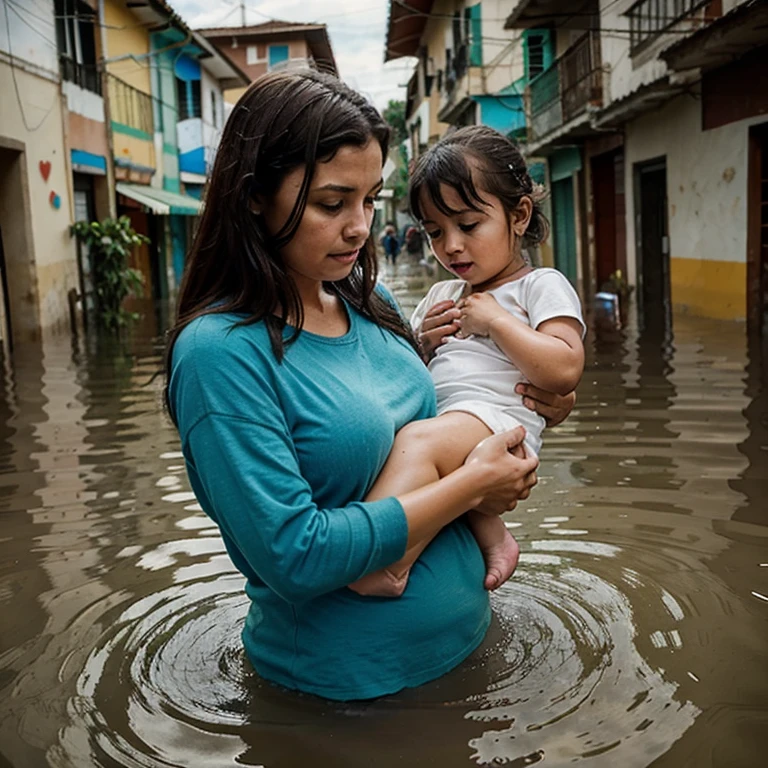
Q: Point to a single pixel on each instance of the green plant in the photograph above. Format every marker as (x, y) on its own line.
(110, 243)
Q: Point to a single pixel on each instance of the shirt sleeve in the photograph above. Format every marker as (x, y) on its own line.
(249, 478)
(245, 472)
(549, 296)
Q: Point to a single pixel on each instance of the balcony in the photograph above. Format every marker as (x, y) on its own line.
(457, 83)
(566, 91)
(130, 107)
(86, 76)
(649, 19)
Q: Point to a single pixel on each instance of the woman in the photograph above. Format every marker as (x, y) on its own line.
(289, 375)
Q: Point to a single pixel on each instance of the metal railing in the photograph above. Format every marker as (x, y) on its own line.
(130, 106)
(581, 76)
(650, 18)
(568, 86)
(87, 76)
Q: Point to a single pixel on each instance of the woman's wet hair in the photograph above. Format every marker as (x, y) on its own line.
(283, 121)
(470, 160)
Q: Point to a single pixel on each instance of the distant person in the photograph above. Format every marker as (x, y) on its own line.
(510, 324)
(289, 373)
(390, 243)
(414, 243)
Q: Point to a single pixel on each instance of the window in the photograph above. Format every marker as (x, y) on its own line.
(277, 54)
(649, 18)
(537, 52)
(214, 115)
(251, 55)
(76, 44)
(188, 96)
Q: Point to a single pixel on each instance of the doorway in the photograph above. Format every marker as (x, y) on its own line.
(564, 229)
(652, 238)
(757, 231)
(609, 215)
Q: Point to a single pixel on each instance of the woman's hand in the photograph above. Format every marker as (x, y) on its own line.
(512, 473)
(554, 408)
(478, 311)
(440, 322)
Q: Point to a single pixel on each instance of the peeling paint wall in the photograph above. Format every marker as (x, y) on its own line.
(707, 204)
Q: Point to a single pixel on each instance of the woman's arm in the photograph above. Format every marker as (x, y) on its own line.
(392, 580)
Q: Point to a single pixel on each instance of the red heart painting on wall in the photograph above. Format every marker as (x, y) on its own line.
(45, 169)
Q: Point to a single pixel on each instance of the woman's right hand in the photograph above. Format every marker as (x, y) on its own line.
(509, 474)
(440, 323)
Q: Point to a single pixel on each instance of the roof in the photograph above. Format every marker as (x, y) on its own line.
(157, 14)
(219, 64)
(742, 29)
(316, 36)
(405, 27)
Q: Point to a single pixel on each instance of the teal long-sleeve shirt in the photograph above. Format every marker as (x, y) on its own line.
(280, 456)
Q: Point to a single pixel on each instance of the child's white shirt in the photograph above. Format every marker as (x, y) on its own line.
(474, 370)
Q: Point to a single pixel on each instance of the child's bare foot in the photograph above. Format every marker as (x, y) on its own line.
(500, 561)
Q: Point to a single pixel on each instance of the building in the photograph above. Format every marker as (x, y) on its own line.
(38, 258)
(469, 70)
(166, 105)
(273, 45)
(653, 117)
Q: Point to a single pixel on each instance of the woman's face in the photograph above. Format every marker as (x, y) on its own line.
(338, 216)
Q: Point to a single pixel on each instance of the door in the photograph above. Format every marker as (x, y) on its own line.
(564, 229)
(609, 211)
(84, 211)
(653, 244)
(757, 231)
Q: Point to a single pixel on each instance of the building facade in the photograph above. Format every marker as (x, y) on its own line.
(38, 260)
(274, 45)
(109, 107)
(653, 119)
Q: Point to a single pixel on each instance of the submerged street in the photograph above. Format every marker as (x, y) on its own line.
(634, 631)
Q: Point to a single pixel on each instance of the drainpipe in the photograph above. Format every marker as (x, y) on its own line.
(111, 193)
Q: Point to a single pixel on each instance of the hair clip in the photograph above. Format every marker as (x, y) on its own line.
(522, 178)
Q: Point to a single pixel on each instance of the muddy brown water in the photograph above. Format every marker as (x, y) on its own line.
(634, 633)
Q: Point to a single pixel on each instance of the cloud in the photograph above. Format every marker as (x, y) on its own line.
(357, 36)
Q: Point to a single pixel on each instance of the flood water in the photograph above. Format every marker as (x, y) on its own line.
(634, 632)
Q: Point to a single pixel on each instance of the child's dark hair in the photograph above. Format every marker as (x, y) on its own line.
(499, 170)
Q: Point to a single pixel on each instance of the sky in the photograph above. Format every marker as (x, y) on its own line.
(357, 30)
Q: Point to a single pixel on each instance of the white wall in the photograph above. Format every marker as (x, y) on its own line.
(625, 75)
(30, 33)
(502, 48)
(706, 181)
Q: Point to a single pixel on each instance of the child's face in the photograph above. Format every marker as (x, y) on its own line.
(477, 246)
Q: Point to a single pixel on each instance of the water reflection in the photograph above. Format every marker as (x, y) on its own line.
(634, 632)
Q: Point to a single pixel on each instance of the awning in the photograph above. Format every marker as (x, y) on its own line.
(160, 201)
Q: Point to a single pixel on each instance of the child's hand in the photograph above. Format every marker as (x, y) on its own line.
(439, 324)
(478, 311)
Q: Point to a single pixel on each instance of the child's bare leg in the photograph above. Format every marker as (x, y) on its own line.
(499, 548)
(423, 452)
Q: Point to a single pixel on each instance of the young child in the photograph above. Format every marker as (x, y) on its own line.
(475, 199)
